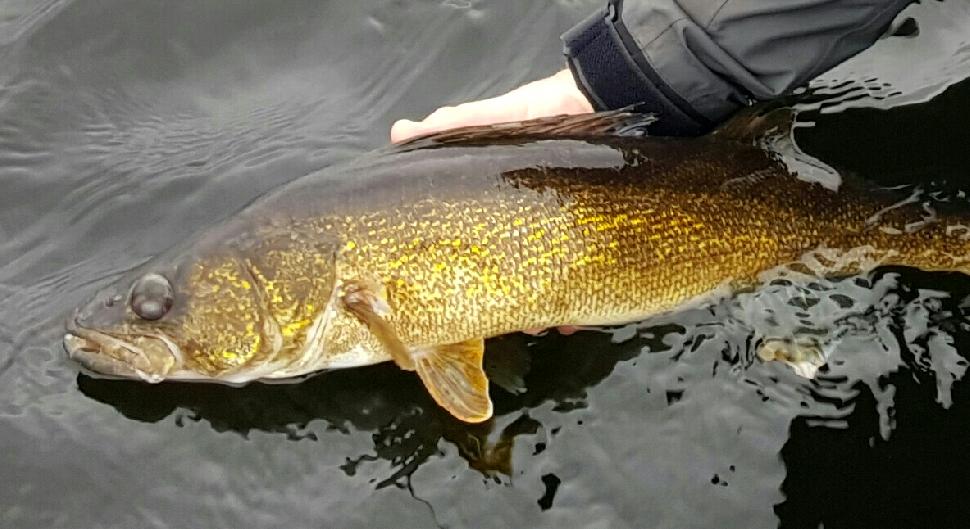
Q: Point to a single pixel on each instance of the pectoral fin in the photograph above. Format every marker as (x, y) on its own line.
(454, 376)
(370, 307)
(452, 373)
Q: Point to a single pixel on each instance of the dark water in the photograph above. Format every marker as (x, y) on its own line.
(126, 126)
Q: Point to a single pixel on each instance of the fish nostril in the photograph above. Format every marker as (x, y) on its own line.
(112, 300)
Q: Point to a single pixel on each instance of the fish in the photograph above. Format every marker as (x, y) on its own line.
(418, 253)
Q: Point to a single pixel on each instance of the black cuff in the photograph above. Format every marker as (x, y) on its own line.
(613, 73)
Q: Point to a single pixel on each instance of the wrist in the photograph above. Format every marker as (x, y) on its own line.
(574, 100)
(611, 70)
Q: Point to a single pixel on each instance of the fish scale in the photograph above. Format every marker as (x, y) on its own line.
(559, 246)
(418, 253)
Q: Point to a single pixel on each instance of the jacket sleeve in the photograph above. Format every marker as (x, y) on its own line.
(695, 62)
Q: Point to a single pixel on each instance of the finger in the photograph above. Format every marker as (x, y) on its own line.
(485, 112)
(566, 330)
(551, 96)
(404, 129)
(441, 119)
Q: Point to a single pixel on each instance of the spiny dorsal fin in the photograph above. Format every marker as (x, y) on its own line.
(612, 123)
(454, 376)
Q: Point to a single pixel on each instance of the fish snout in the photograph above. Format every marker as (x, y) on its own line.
(148, 358)
(106, 310)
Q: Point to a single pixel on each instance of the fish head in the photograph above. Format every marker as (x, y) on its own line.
(192, 318)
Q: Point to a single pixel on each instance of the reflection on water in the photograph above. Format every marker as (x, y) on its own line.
(407, 425)
(890, 451)
(124, 127)
(898, 147)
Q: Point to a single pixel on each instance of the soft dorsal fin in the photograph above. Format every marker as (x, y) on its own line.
(771, 126)
(753, 124)
(612, 123)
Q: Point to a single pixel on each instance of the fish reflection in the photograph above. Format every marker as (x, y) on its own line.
(406, 424)
(888, 449)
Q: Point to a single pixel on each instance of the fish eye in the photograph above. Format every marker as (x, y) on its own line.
(152, 297)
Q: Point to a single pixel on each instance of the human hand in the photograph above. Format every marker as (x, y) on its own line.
(551, 96)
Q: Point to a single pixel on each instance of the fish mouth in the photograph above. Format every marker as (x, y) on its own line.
(109, 355)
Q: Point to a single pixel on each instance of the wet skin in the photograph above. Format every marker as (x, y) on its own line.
(418, 253)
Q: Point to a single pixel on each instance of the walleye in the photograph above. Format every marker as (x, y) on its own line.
(419, 253)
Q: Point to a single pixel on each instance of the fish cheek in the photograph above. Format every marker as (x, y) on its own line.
(220, 349)
(222, 326)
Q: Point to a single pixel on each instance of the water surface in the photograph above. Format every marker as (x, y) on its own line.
(127, 126)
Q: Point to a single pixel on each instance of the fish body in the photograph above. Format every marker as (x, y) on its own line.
(417, 254)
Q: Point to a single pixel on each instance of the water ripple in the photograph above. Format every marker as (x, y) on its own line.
(127, 126)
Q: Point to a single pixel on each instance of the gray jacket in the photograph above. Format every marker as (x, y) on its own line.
(695, 62)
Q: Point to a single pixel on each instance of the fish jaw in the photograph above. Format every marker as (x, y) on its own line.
(86, 349)
(106, 355)
(109, 356)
